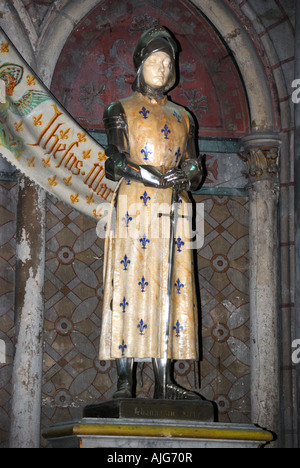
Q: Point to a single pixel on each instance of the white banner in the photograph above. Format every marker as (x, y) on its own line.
(40, 138)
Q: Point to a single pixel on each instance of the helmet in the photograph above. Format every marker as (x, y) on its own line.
(156, 39)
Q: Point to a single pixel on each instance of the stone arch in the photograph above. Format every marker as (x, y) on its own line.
(263, 113)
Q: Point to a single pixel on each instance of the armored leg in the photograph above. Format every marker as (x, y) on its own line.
(165, 388)
(125, 381)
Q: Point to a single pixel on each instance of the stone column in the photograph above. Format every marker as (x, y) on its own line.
(297, 212)
(261, 153)
(29, 317)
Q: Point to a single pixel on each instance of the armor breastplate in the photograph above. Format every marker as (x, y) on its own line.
(157, 131)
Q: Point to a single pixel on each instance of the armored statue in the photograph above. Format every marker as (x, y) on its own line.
(151, 153)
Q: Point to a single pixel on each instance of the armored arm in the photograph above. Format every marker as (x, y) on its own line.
(192, 165)
(118, 165)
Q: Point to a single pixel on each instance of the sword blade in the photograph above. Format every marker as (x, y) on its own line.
(169, 289)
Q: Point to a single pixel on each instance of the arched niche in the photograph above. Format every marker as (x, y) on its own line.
(95, 66)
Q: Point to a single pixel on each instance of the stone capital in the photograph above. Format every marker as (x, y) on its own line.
(261, 153)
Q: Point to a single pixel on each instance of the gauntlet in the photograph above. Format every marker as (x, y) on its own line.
(118, 165)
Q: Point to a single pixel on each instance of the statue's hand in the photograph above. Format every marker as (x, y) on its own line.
(114, 154)
(175, 177)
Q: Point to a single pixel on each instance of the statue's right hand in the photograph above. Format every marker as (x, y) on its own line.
(114, 154)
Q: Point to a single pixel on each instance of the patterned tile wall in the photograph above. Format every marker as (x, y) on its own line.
(223, 277)
(73, 375)
(8, 204)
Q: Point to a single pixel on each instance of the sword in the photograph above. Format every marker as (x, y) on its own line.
(174, 200)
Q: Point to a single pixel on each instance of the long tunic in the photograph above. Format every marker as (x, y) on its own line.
(137, 244)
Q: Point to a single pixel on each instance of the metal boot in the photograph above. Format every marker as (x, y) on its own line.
(125, 381)
(165, 388)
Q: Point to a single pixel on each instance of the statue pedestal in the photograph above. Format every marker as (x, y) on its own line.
(115, 433)
(138, 408)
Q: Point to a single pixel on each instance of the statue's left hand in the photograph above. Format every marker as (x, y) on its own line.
(176, 177)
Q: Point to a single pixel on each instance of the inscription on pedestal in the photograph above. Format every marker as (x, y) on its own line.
(152, 409)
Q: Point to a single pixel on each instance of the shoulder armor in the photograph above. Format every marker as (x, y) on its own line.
(113, 110)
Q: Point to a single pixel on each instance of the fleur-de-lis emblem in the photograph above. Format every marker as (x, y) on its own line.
(178, 285)
(125, 262)
(30, 80)
(19, 126)
(124, 304)
(74, 198)
(128, 182)
(144, 112)
(30, 161)
(143, 283)
(81, 137)
(46, 162)
(102, 156)
(64, 134)
(96, 213)
(52, 181)
(122, 347)
(178, 329)
(178, 117)
(179, 244)
(37, 120)
(178, 155)
(67, 181)
(144, 241)
(89, 199)
(142, 326)
(179, 203)
(166, 131)
(86, 154)
(4, 47)
(145, 198)
(127, 218)
(146, 151)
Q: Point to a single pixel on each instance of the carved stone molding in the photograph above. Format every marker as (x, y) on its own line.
(261, 153)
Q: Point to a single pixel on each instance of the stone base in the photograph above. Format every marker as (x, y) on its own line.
(146, 434)
(135, 408)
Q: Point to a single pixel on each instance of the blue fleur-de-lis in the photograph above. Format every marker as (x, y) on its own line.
(146, 151)
(123, 346)
(178, 285)
(166, 131)
(144, 241)
(178, 329)
(127, 218)
(178, 155)
(143, 283)
(145, 198)
(179, 244)
(128, 182)
(142, 326)
(124, 304)
(178, 117)
(125, 262)
(144, 112)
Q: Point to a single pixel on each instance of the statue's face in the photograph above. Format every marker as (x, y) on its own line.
(156, 69)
